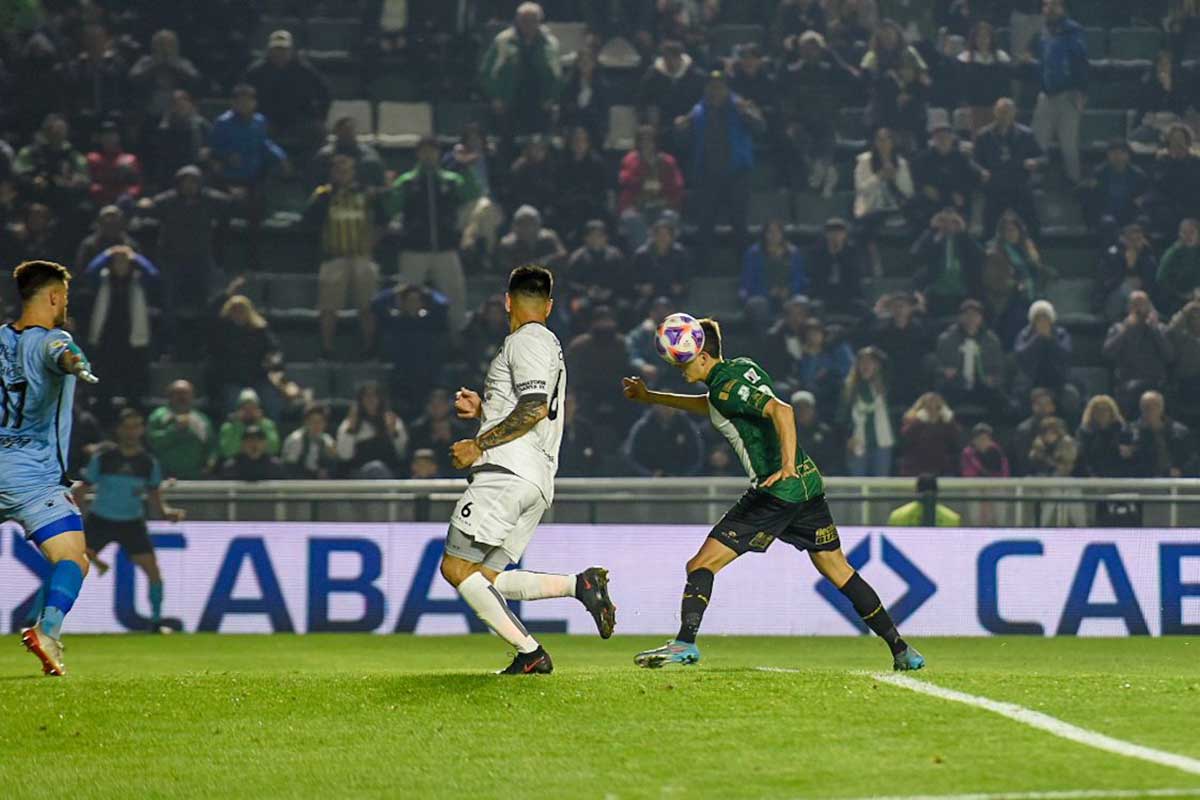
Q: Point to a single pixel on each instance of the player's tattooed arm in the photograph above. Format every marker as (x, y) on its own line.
(531, 409)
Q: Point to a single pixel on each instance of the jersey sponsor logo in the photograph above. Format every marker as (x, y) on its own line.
(762, 540)
(524, 386)
(827, 534)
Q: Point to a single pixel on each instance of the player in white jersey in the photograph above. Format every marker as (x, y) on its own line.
(512, 463)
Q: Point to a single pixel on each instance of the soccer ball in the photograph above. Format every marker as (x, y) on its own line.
(680, 338)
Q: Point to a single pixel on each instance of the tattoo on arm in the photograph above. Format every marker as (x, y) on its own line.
(531, 409)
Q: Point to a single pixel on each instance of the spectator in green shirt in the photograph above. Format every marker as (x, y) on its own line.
(181, 437)
(1179, 270)
(249, 413)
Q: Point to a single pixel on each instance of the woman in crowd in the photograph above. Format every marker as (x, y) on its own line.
(243, 353)
(864, 414)
(1099, 440)
(586, 97)
(773, 267)
(986, 73)
(372, 440)
(883, 186)
(1013, 276)
(931, 438)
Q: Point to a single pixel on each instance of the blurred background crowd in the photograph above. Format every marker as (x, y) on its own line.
(960, 235)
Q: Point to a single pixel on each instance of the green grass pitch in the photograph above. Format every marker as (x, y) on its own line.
(335, 716)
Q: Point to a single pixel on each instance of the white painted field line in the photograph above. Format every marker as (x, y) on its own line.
(1036, 719)
(1078, 794)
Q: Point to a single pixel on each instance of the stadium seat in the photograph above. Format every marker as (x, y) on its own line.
(850, 124)
(812, 209)
(1130, 44)
(769, 205)
(330, 37)
(285, 195)
(348, 377)
(392, 84)
(570, 36)
(622, 127)
(724, 38)
(1071, 296)
(314, 375)
(402, 124)
(1058, 209)
(1093, 380)
(1097, 43)
(451, 118)
(286, 291)
(1098, 126)
(359, 111)
(715, 295)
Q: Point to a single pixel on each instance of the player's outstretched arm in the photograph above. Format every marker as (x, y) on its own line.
(784, 420)
(636, 390)
(74, 362)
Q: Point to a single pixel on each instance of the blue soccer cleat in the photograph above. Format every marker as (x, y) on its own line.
(908, 659)
(673, 652)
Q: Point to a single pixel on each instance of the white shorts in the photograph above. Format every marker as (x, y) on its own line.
(497, 512)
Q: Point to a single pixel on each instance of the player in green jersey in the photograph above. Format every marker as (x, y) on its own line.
(786, 502)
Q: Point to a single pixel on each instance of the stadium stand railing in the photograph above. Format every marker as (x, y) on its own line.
(1008, 502)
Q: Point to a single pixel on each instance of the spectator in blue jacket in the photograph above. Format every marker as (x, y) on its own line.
(1063, 74)
(773, 267)
(722, 156)
(244, 154)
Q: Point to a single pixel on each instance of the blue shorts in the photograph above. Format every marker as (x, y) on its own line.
(43, 513)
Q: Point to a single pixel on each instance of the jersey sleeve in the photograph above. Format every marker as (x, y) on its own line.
(53, 346)
(156, 476)
(738, 398)
(533, 362)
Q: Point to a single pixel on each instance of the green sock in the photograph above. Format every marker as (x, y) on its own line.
(156, 594)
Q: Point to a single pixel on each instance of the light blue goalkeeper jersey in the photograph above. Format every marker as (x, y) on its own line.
(36, 399)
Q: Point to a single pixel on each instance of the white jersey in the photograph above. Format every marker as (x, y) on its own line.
(529, 362)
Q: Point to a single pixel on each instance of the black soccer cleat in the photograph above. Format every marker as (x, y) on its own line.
(591, 589)
(536, 663)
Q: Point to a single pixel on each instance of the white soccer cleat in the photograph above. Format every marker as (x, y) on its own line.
(47, 649)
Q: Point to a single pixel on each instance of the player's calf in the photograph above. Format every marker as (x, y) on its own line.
(833, 565)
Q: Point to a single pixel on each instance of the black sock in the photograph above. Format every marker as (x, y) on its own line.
(696, 592)
(870, 608)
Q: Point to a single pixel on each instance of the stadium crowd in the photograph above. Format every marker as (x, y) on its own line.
(914, 328)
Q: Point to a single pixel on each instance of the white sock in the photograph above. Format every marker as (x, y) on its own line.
(490, 607)
(518, 584)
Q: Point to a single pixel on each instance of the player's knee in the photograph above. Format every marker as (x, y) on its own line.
(152, 573)
(455, 570)
(82, 562)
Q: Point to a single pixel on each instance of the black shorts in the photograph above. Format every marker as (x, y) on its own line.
(132, 535)
(759, 518)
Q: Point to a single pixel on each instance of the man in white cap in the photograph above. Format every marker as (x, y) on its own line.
(292, 95)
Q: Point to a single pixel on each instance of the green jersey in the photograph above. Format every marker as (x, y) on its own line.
(738, 393)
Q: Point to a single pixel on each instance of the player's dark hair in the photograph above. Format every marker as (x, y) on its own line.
(129, 413)
(31, 276)
(531, 280)
(712, 337)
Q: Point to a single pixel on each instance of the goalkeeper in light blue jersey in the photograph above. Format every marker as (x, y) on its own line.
(39, 363)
